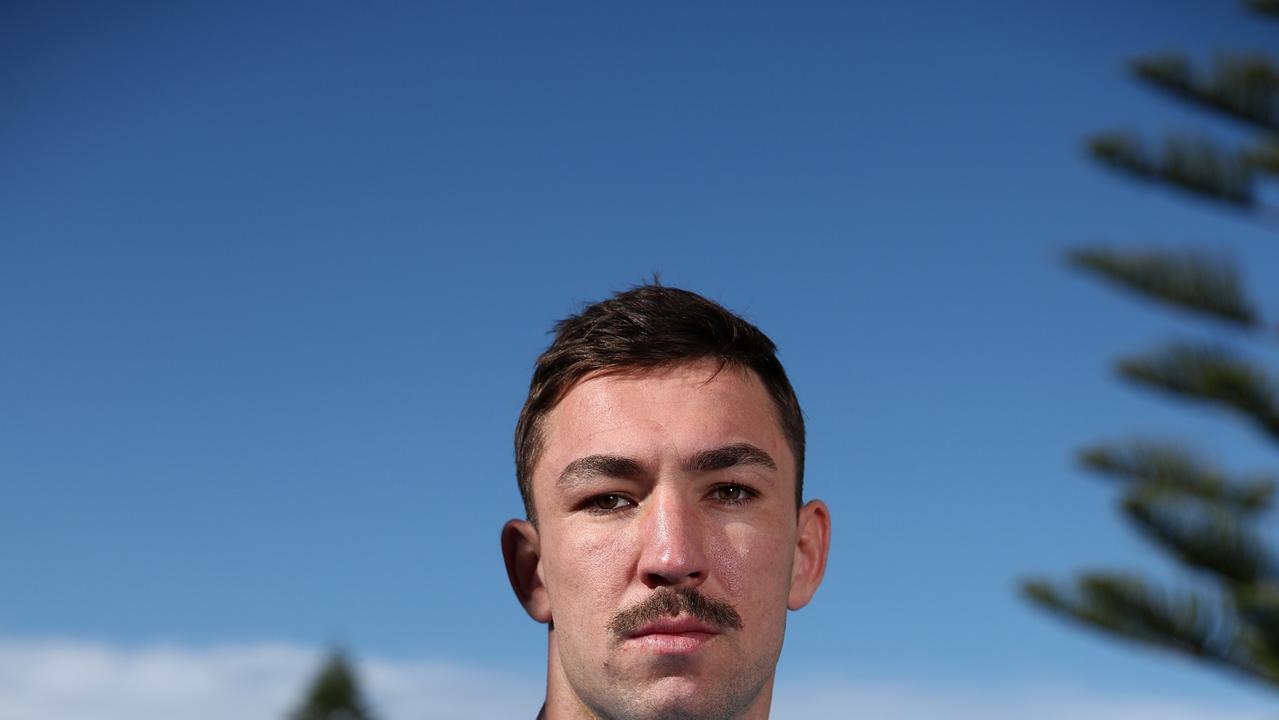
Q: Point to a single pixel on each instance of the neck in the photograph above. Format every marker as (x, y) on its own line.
(561, 702)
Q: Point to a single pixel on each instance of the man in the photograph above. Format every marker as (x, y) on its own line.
(660, 456)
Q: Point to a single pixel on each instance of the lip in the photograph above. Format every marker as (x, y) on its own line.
(674, 626)
(673, 636)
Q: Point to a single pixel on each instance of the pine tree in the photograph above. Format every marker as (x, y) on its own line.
(334, 694)
(1206, 519)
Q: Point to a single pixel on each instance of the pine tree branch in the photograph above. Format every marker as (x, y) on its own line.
(1205, 537)
(1190, 281)
(1263, 156)
(1268, 8)
(1242, 87)
(1194, 165)
(1164, 467)
(1257, 609)
(1209, 374)
(1125, 606)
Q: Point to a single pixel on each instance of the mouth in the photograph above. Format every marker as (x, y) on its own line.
(672, 636)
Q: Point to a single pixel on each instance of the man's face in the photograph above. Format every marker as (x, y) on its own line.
(652, 488)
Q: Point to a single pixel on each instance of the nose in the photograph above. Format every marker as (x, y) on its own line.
(672, 543)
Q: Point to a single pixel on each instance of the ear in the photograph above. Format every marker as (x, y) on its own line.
(812, 543)
(522, 550)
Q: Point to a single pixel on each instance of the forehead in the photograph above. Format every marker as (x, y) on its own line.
(648, 413)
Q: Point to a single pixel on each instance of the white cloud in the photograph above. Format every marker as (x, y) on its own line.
(833, 699)
(76, 680)
(73, 680)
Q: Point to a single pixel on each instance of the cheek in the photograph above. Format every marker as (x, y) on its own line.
(754, 566)
(589, 573)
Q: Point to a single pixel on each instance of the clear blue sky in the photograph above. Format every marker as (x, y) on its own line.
(272, 280)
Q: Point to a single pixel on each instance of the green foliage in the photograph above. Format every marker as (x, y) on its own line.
(334, 694)
(1262, 157)
(1191, 510)
(1194, 165)
(1202, 536)
(1243, 87)
(1161, 468)
(1210, 374)
(1190, 281)
(1265, 7)
(1127, 606)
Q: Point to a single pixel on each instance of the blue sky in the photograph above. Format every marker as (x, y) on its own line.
(272, 280)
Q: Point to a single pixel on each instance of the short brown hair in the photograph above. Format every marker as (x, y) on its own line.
(647, 327)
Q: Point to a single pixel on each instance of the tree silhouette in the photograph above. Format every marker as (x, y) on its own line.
(334, 694)
(1200, 515)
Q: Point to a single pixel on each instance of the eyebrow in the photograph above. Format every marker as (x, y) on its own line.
(585, 469)
(731, 456)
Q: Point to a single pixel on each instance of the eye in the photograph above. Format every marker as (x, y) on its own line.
(607, 503)
(732, 494)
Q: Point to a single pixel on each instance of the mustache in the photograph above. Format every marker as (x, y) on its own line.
(666, 601)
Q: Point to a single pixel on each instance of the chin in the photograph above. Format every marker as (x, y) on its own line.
(679, 697)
